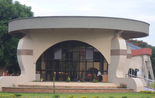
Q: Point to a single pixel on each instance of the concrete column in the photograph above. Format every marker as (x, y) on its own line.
(25, 58)
(119, 59)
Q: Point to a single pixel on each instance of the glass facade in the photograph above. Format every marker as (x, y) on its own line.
(75, 59)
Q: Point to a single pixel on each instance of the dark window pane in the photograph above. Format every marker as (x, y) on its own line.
(49, 64)
(73, 45)
(75, 55)
(82, 54)
(49, 54)
(63, 66)
(56, 64)
(82, 45)
(58, 45)
(49, 75)
(65, 45)
(89, 54)
(75, 65)
(65, 53)
(38, 65)
(97, 55)
(67, 65)
(58, 54)
(97, 65)
(82, 65)
(89, 64)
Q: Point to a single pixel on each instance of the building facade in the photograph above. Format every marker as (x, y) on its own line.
(75, 47)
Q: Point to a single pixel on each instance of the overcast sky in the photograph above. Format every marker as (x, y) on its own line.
(143, 10)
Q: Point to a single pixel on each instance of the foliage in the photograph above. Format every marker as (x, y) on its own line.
(8, 43)
(95, 81)
(68, 79)
(151, 85)
(42, 79)
(82, 80)
(122, 85)
(145, 45)
(71, 96)
(18, 95)
(56, 96)
(14, 85)
(111, 97)
(124, 97)
(147, 92)
(83, 97)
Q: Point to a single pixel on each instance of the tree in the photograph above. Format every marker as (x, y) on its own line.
(8, 44)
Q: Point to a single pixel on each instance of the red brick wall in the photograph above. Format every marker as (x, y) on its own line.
(63, 90)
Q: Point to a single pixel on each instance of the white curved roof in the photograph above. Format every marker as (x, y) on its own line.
(131, 28)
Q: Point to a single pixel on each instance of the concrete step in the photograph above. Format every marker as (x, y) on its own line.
(143, 81)
(64, 90)
(51, 86)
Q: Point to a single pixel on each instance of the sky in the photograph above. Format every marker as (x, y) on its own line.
(143, 10)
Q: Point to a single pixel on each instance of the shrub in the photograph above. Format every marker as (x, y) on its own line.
(148, 92)
(70, 96)
(124, 96)
(82, 80)
(142, 91)
(56, 96)
(153, 92)
(94, 81)
(18, 95)
(122, 85)
(14, 85)
(42, 79)
(68, 79)
(83, 97)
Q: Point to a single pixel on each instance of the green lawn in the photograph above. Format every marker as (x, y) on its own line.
(89, 95)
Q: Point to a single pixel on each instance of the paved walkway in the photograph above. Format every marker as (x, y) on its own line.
(99, 84)
(148, 89)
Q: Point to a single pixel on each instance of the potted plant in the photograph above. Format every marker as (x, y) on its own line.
(68, 79)
(42, 79)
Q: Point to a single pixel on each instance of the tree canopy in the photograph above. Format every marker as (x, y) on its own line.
(8, 44)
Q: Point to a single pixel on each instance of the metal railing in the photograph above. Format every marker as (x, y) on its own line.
(150, 84)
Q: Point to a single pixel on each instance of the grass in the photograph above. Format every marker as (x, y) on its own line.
(89, 95)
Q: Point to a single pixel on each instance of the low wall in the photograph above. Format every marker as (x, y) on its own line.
(64, 90)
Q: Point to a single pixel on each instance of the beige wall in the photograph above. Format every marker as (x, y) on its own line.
(43, 39)
(143, 63)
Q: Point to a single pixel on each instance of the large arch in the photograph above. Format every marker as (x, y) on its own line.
(100, 39)
(71, 59)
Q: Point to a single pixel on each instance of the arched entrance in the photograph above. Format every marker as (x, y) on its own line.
(72, 59)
